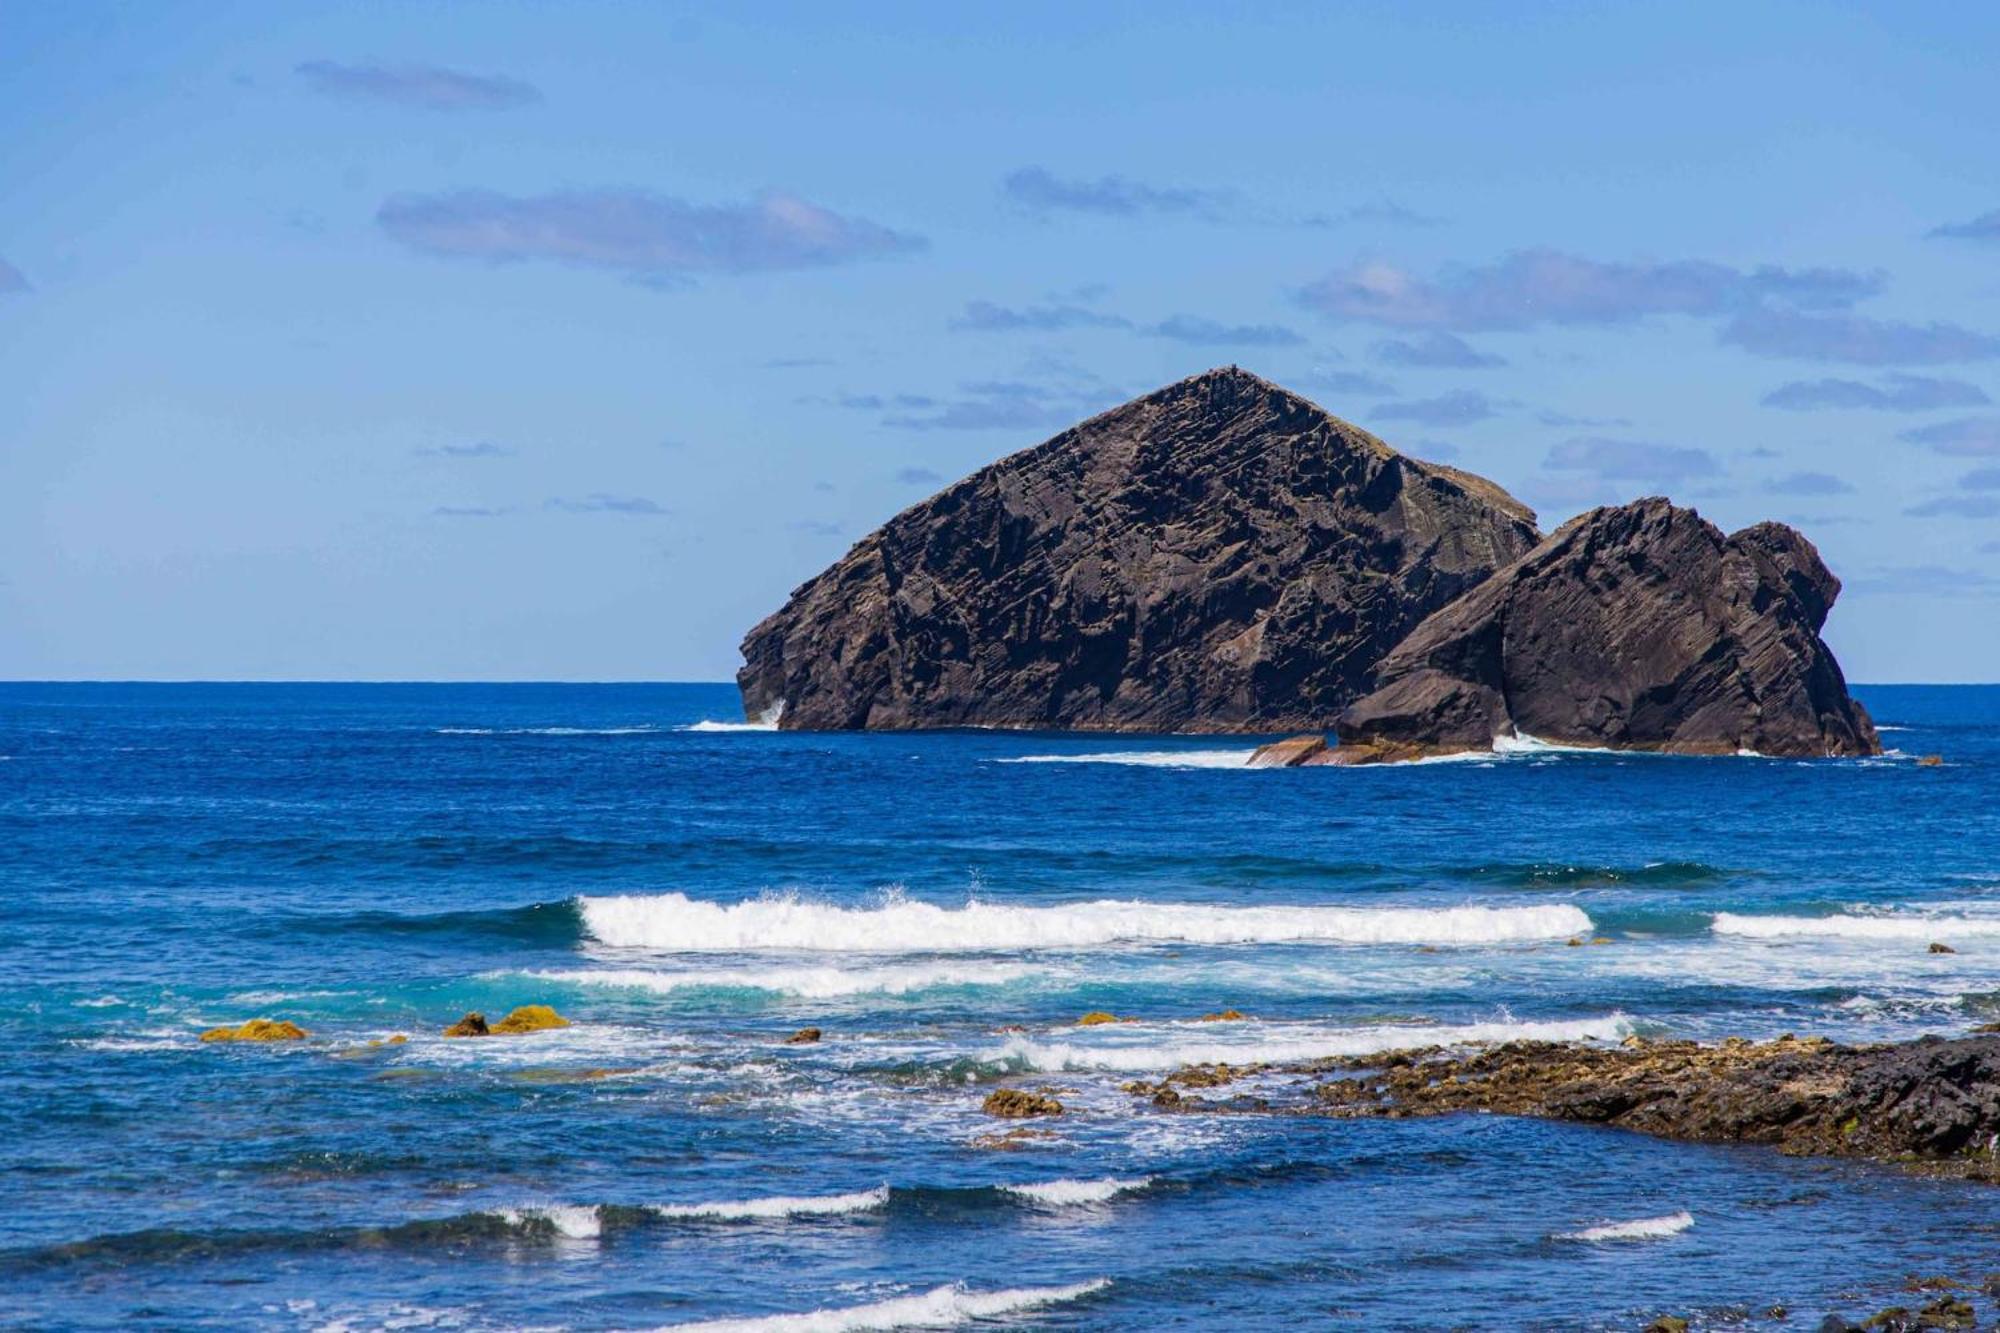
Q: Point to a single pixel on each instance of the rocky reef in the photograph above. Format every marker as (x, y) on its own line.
(258, 1029)
(1931, 1104)
(1220, 555)
(1635, 627)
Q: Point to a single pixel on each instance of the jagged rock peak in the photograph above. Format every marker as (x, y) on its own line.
(1218, 555)
(1638, 626)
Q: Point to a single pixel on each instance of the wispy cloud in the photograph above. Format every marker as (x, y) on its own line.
(1957, 506)
(599, 503)
(644, 235)
(816, 527)
(1349, 381)
(1461, 407)
(1382, 212)
(1896, 393)
(477, 449)
(1565, 421)
(1435, 350)
(1985, 227)
(424, 86)
(1808, 483)
(1984, 479)
(469, 511)
(872, 402)
(11, 279)
(1210, 333)
(1631, 460)
(1968, 437)
(1040, 191)
(1006, 405)
(987, 317)
(1529, 288)
(1856, 339)
(918, 476)
(1922, 581)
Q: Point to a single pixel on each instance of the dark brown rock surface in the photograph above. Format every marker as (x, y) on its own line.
(1931, 1103)
(1221, 555)
(1635, 627)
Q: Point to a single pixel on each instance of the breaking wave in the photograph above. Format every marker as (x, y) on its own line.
(776, 1206)
(1128, 1052)
(811, 983)
(1643, 1228)
(1885, 927)
(1077, 1193)
(1144, 758)
(941, 1307)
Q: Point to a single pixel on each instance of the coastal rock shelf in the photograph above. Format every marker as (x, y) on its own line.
(1218, 556)
(1224, 556)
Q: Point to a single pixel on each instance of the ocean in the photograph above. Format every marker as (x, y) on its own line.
(376, 860)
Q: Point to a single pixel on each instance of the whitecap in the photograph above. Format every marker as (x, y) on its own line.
(1885, 927)
(673, 921)
(941, 1307)
(1133, 1048)
(712, 726)
(576, 1221)
(778, 1205)
(812, 983)
(1643, 1228)
(1143, 758)
(1077, 1193)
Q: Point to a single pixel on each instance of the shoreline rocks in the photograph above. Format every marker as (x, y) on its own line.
(525, 1018)
(1019, 1104)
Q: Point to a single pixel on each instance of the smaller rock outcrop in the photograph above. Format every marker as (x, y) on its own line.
(1635, 627)
(257, 1029)
(803, 1037)
(529, 1018)
(1292, 752)
(472, 1025)
(1017, 1104)
(1096, 1018)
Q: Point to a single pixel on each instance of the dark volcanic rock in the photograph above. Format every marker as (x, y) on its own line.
(1218, 556)
(1931, 1103)
(1636, 627)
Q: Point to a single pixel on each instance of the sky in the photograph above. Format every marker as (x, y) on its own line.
(560, 342)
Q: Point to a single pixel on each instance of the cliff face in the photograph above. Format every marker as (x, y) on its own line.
(1218, 556)
(1636, 627)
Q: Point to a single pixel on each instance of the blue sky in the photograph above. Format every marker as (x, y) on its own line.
(560, 342)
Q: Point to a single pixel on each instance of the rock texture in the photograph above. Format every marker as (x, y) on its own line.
(1931, 1103)
(1635, 627)
(1218, 556)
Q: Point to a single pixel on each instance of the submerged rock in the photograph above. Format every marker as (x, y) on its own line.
(1635, 627)
(257, 1029)
(1096, 1018)
(1930, 1103)
(803, 1037)
(1017, 1104)
(1220, 555)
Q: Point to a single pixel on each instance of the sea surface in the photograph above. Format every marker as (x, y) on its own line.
(375, 860)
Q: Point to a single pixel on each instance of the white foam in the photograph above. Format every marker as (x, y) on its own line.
(1899, 927)
(1884, 726)
(812, 983)
(1078, 1193)
(706, 725)
(1643, 1228)
(577, 1221)
(543, 731)
(941, 1307)
(673, 921)
(1127, 1048)
(779, 1205)
(1144, 758)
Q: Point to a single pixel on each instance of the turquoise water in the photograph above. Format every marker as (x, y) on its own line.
(376, 860)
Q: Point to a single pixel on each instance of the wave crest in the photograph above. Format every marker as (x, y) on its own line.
(941, 1307)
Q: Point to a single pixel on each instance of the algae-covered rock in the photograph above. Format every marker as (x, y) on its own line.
(257, 1029)
(472, 1025)
(1095, 1018)
(530, 1018)
(1016, 1104)
(1226, 1016)
(803, 1037)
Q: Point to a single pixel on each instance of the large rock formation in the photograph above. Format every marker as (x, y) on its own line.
(1636, 627)
(1218, 556)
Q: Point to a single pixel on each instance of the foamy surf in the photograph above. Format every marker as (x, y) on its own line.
(711, 726)
(778, 1206)
(1077, 1193)
(809, 983)
(1885, 927)
(1127, 1049)
(1144, 758)
(576, 1221)
(673, 921)
(941, 1307)
(1643, 1228)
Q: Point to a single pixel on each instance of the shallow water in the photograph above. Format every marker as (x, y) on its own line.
(373, 860)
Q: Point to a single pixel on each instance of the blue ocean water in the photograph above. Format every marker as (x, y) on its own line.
(376, 860)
